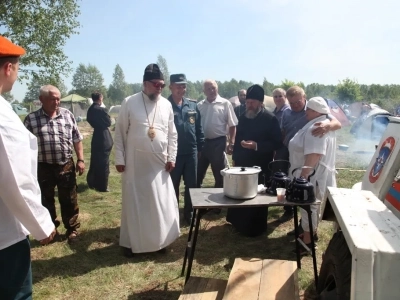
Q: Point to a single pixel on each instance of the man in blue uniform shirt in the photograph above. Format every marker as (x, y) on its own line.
(190, 140)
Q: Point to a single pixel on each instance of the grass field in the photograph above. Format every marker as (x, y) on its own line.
(94, 267)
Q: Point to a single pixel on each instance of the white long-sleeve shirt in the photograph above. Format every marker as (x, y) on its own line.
(21, 211)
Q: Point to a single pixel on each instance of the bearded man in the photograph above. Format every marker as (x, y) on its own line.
(145, 154)
(257, 137)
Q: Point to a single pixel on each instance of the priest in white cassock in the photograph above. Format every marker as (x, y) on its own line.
(145, 152)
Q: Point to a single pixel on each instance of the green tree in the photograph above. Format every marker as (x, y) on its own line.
(42, 28)
(9, 97)
(118, 89)
(268, 87)
(286, 84)
(348, 91)
(134, 88)
(36, 83)
(316, 89)
(162, 63)
(86, 80)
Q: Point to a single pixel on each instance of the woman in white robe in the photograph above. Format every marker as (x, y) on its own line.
(307, 150)
(150, 216)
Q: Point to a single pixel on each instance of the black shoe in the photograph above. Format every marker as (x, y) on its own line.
(287, 216)
(162, 251)
(127, 252)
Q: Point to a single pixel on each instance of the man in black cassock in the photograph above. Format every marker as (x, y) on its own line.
(257, 137)
(102, 142)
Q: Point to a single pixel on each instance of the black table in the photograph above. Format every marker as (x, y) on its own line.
(205, 199)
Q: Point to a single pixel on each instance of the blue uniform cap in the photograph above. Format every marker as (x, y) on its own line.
(178, 78)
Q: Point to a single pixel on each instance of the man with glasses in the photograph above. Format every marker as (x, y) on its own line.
(190, 140)
(280, 101)
(293, 120)
(145, 153)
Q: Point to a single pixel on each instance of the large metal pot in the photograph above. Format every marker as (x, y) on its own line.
(241, 182)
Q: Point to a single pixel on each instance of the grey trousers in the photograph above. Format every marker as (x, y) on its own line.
(212, 153)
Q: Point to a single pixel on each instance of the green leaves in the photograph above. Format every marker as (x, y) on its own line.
(348, 90)
(88, 79)
(118, 89)
(42, 27)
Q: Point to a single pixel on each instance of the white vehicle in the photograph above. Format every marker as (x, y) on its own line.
(362, 260)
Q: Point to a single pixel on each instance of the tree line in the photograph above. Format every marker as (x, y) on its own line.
(88, 78)
(26, 22)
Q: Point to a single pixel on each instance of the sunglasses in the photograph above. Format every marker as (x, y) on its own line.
(157, 84)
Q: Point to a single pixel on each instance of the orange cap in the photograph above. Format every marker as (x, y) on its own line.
(7, 48)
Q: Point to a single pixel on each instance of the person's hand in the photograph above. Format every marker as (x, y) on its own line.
(321, 128)
(80, 167)
(49, 238)
(229, 149)
(169, 166)
(120, 168)
(249, 144)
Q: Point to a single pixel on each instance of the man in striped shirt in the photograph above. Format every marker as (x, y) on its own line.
(57, 135)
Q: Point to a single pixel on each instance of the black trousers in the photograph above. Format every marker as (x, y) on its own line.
(64, 177)
(283, 154)
(15, 272)
(99, 170)
(212, 153)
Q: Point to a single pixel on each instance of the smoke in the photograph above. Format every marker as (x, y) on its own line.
(361, 152)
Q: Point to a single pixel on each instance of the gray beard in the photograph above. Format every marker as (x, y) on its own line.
(250, 114)
(152, 97)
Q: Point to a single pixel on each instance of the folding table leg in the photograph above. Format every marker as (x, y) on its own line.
(296, 235)
(192, 246)
(314, 257)
(195, 216)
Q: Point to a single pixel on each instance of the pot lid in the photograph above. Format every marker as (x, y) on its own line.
(243, 170)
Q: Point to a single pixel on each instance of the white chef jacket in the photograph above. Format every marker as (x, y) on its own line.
(21, 211)
(304, 143)
(216, 117)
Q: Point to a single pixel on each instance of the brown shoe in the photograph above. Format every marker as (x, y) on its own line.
(72, 236)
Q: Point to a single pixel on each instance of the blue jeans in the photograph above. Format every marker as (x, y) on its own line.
(15, 272)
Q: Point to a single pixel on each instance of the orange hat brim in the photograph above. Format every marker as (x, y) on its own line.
(7, 48)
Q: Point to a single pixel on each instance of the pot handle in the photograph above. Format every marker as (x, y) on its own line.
(223, 171)
(257, 167)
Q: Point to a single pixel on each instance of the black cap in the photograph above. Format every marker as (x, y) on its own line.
(151, 72)
(255, 92)
(178, 78)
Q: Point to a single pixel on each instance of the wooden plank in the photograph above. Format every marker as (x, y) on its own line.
(279, 280)
(194, 288)
(244, 279)
(214, 290)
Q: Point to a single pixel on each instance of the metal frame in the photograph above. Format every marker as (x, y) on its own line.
(198, 213)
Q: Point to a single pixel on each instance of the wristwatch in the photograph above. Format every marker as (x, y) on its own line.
(78, 160)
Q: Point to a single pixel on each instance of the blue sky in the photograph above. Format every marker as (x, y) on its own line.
(305, 40)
